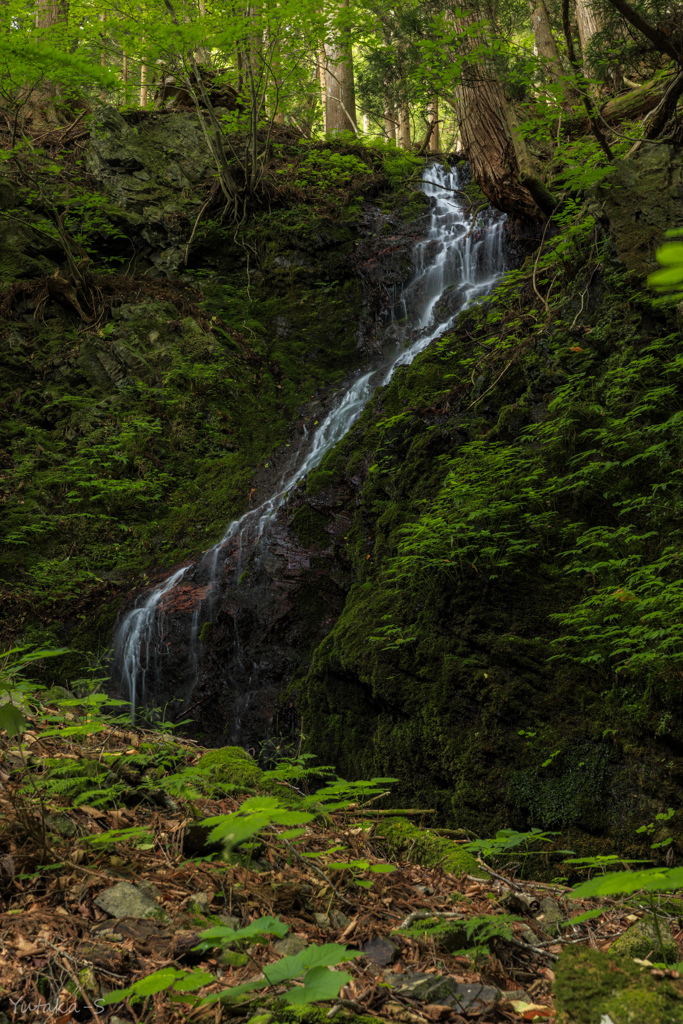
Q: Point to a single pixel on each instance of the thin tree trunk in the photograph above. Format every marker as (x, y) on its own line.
(435, 138)
(404, 123)
(143, 85)
(340, 91)
(322, 63)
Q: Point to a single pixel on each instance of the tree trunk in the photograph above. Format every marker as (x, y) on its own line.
(588, 24)
(435, 138)
(501, 163)
(546, 47)
(404, 139)
(322, 78)
(51, 12)
(144, 90)
(390, 120)
(340, 93)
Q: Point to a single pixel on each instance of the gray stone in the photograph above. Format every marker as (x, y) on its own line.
(436, 988)
(551, 915)
(229, 921)
(199, 902)
(640, 940)
(322, 920)
(339, 920)
(127, 900)
(381, 952)
(290, 945)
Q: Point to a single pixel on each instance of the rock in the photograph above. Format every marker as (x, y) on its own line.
(436, 988)
(420, 846)
(592, 988)
(127, 900)
(232, 766)
(231, 958)
(290, 945)
(229, 921)
(322, 920)
(339, 920)
(519, 903)
(641, 941)
(199, 902)
(551, 915)
(62, 824)
(381, 952)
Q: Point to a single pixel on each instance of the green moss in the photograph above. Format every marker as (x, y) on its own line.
(641, 941)
(232, 766)
(309, 527)
(420, 846)
(592, 986)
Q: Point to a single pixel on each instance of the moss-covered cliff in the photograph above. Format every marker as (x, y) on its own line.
(131, 438)
(511, 647)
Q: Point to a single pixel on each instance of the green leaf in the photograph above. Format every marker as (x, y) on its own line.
(655, 880)
(383, 869)
(157, 982)
(290, 967)
(320, 984)
(193, 981)
(222, 935)
(12, 720)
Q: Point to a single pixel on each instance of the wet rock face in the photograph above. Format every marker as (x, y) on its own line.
(639, 202)
(274, 604)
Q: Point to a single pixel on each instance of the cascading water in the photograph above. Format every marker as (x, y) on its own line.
(455, 263)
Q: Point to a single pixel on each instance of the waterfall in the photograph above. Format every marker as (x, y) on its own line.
(456, 262)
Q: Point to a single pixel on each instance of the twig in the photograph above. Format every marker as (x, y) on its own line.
(476, 403)
(502, 878)
(187, 247)
(533, 276)
(80, 988)
(528, 948)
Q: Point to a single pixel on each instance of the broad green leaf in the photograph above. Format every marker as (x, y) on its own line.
(290, 967)
(157, 982)
(193, 981)
(221, 934)
(383, 869)
(655, 880)
(319, 984)
(12, 720)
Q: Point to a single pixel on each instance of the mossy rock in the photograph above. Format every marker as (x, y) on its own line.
(641, 940)
(591, 987)
(420, 846)
(232, 766)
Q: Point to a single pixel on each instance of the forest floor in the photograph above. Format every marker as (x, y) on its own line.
(67, 938)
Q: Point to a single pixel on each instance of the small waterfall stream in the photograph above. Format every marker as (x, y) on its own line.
(455, 263)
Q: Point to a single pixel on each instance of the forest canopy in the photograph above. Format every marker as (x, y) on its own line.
(523, 90)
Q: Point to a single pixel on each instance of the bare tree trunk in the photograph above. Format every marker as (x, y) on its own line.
(389, 120)
(435, 138)
(143, 85)
(546, 46)
(404, 123)
(340, 91)
(588, 25)
(322, 63)
(51, 12)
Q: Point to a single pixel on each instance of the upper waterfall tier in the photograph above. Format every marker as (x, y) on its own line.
(158, 643)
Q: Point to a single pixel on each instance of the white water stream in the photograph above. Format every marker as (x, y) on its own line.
(455, 263)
